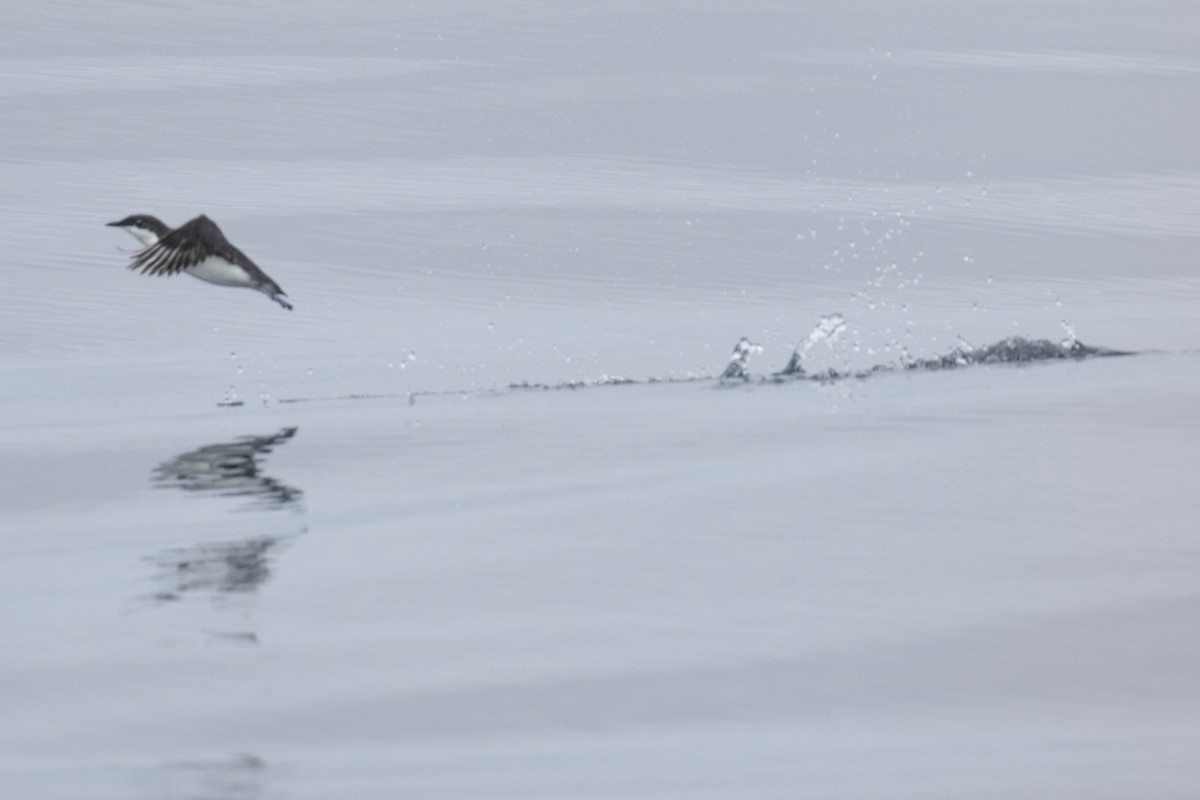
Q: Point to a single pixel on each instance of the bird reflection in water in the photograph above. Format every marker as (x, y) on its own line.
(229, 469)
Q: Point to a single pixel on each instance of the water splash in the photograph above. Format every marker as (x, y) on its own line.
(1070, 340)
(962, 352)
(828, 330)
(736, 369)
(232, 399)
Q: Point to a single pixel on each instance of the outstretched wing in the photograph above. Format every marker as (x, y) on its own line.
(184, 247)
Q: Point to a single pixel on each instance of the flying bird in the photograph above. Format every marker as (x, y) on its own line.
(199, 249)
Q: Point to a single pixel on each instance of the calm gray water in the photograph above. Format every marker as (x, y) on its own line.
(251, 554)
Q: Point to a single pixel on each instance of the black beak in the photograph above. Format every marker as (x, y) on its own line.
(113, 224)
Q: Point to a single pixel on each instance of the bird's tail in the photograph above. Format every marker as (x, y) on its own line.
(272, 290)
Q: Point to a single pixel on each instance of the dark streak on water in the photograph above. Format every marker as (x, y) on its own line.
(1013, 350)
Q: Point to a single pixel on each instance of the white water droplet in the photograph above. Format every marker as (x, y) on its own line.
(1069, 341)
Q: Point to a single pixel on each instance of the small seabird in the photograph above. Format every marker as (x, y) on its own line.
(199, 249)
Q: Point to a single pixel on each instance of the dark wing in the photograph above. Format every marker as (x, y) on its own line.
(230, 253)
(184, 247)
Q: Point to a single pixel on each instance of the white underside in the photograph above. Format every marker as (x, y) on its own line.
(147, 238)
(221, 272)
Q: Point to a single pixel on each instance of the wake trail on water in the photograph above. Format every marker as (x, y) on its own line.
(1013, 350)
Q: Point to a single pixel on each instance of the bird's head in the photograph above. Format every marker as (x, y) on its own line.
(143, 227)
